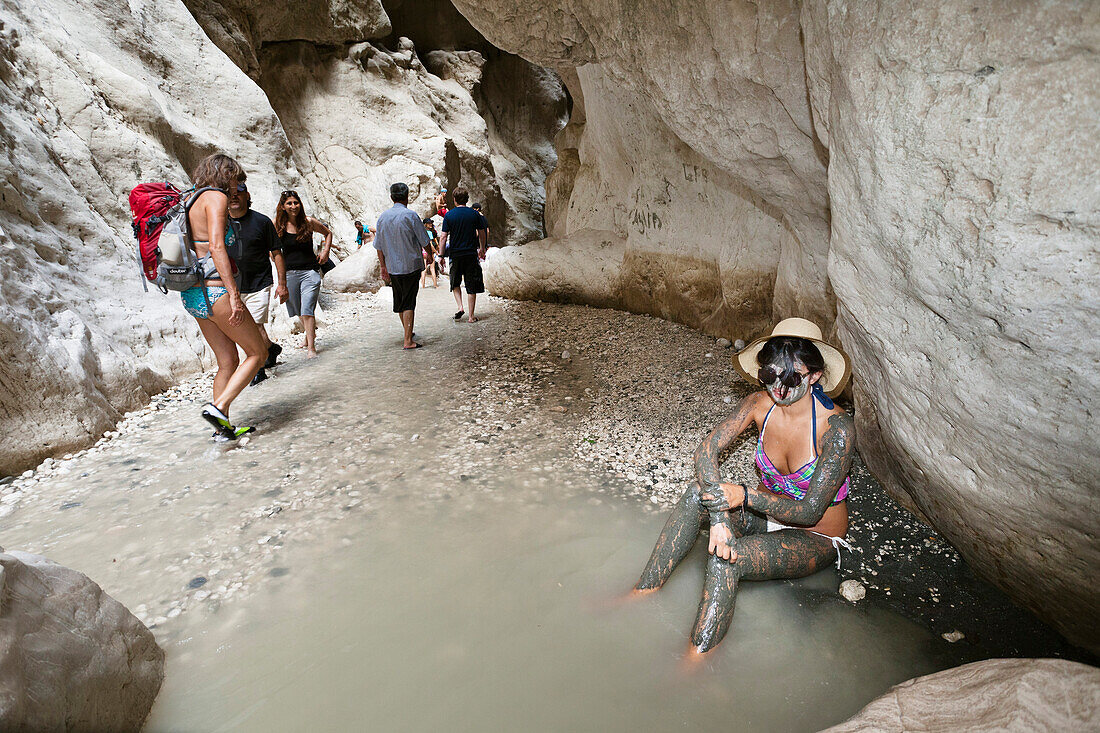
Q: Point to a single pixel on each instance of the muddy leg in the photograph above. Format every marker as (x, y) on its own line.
(748, 523)
(676, 540)
(789, 553)
(716, 606)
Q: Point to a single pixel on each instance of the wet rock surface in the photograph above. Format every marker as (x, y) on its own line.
(71, 656)
(996, 694)
(633, 398)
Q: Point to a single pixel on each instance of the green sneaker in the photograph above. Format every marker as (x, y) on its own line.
(220, 421)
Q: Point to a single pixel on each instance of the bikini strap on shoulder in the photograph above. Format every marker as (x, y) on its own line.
(764, 424)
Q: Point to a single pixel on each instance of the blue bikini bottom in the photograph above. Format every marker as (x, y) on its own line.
(194, 302)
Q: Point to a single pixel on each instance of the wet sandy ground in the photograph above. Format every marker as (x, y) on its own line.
(170, 523)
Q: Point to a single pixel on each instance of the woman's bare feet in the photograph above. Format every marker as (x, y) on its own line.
(692, 660)
(471, 319)
(606, 603)
(311, 354)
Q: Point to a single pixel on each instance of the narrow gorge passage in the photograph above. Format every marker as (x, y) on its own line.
(423, 539)
(414, 523)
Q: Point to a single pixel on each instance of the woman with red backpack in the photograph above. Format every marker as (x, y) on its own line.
(217, 306)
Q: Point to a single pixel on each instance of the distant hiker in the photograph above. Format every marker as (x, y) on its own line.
(217, 306)
(400, 239)
(360, 233)
(465, 237)
(259, 247)
(303, 264)
(433, 234)
(441, 202)
(477, 207)
(431, 258)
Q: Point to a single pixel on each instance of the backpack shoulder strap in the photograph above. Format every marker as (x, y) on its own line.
(199, 192)
(187, 210)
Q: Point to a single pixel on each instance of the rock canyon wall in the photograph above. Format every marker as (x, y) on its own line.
(325, 97)
(919, 177)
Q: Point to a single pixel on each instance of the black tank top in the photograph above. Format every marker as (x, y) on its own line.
(298, 255)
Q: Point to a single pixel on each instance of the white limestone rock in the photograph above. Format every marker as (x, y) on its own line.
(359, 273)
(584, 268)
(853, 591)
(697, 247)
(361, 117)
(964, 257)
(696, 116)
(1033, 695)
(71, 657)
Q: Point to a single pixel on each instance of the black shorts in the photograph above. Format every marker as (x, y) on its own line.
(405, 287)
(468, 267)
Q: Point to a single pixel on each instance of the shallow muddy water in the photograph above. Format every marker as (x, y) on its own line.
(401, 547)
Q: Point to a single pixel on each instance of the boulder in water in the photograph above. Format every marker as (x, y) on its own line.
(71, 657)
(995, 694)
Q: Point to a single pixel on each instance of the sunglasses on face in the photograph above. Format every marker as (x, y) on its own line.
(290, 193)
(767, 375)
(241, 188)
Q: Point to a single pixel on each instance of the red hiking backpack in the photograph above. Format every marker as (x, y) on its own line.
(165, 248)
(150, 205)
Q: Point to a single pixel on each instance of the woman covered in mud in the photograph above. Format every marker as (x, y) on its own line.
(791, 524)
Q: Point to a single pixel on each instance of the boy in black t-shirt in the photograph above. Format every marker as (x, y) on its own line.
(465, 239)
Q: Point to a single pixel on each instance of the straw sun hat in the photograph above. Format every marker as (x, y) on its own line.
(838, 367)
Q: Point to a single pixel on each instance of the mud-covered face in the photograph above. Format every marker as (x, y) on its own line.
(786, 392)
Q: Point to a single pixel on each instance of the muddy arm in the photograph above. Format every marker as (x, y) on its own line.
(706, 455)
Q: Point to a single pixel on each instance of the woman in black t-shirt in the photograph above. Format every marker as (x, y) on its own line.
(303, 264)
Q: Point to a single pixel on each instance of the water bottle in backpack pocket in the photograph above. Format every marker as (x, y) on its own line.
(166, 248)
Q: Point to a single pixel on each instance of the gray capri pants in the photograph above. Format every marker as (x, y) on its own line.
(304, 286)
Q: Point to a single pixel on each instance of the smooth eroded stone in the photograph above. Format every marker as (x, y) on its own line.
(71, 657)
(358, 273)
(853, 590)
(965, 260)
(1032, 695)
(690, 139)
